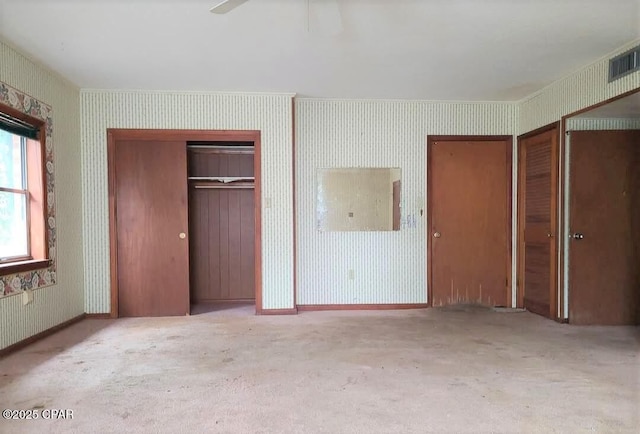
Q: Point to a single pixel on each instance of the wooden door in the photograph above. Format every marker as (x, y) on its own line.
(152, 228)
(222, 250)
(537, 222)
(222, 223)
(604, 286)
(469, 202)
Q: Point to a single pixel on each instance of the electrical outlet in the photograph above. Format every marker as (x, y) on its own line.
(351, 274)
(27, 297)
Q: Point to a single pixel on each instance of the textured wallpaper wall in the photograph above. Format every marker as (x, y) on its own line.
(54, 304)
(182, 110)
(603, 124)
(328, 133)
(582, 89)
(388, 267)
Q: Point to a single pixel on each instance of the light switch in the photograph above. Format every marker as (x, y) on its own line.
(267, 202)
(420, 205)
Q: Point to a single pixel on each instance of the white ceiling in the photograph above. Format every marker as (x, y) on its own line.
(490, 50)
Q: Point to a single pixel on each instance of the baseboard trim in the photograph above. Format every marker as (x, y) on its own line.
(293, 311)
(98, 316)
(28, 341)
(317, 307)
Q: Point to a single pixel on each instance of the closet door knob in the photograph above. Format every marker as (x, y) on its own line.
(182, 235)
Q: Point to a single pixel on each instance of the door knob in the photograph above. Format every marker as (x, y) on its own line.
(436, 235)
(550, 235)
(577, 236)
(182, 235)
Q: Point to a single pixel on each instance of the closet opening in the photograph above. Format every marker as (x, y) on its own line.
(221, 183)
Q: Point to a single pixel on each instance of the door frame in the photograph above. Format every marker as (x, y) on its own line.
(565, 284)
(553, 298)
(115, 134)
(508, 228)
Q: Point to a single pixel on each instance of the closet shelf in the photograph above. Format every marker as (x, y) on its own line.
(223, 179)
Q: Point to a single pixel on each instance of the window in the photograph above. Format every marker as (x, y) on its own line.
(22, 198)
(14, 226)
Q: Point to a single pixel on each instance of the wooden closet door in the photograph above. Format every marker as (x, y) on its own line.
(152, 228)
(222, 224)
(604, 260)
(538, 197)
(222, 251)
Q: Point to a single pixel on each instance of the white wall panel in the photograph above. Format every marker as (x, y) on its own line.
(585, 88)
(54, 304)
(271, 114)
(389, 267)
(579, 124)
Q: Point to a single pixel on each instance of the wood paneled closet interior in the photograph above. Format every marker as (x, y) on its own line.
(221, 221)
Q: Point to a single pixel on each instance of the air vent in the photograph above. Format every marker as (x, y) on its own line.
(624, 64)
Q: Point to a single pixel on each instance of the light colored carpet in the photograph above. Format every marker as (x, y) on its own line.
(329, 372)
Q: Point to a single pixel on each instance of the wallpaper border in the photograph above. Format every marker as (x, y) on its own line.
(12, 284)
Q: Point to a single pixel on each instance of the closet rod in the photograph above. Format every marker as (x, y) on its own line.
(224, 187)
(223, 151)
(229, 147)
(225, 179)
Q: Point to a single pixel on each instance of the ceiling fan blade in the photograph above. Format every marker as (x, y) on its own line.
(225, 6)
